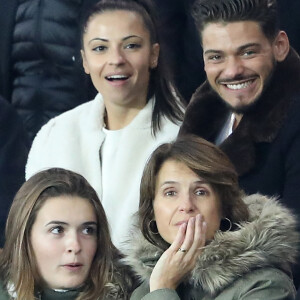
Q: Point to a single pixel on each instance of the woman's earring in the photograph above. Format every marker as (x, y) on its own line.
(226, 224)
(152, 225)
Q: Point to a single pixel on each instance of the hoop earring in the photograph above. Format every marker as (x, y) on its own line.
(149, 227)
(226, 224)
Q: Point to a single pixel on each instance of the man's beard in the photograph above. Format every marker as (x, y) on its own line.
(243, 109)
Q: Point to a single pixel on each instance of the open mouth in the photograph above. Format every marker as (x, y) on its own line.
(113, 78)
(238, 84)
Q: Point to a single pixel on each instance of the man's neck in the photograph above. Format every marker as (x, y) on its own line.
(238, 118)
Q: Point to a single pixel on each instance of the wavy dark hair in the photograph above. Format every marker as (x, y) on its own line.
(169, 102)
(264, 12)
(208, 162)
(17, 261)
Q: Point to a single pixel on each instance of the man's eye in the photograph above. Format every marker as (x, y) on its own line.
(57, 230)
(249, 53)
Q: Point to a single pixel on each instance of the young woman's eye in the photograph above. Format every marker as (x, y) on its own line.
(215, 57)
(89, 230)
(57, 230)
(99, 48)
(133, 46)
(170, 193)
(201, 192)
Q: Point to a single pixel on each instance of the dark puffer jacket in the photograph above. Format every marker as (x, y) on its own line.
(14, 147)
(45, 74)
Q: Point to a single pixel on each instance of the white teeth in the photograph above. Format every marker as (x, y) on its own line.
(239, 86)
(116, 77)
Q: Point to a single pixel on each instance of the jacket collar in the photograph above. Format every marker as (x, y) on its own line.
(269, 239)
(207, 113)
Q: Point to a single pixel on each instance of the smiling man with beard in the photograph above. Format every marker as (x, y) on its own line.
(250, 103)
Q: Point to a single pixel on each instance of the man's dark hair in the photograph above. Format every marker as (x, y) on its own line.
(264, 12)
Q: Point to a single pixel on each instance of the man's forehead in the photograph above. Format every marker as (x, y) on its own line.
(232, 34)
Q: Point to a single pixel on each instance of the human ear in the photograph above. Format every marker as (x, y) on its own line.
(281, 46)
(154, 55)
(84, 62)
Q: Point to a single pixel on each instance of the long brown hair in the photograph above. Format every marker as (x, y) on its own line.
(208, 162)
(18, 266)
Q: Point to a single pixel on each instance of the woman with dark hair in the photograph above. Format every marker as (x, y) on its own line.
(109, 139)
(58, 244)
(200, 237)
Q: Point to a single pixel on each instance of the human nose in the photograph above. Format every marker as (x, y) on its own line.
(73, 244)
(233, 68)
(187, 204)
(116, 57)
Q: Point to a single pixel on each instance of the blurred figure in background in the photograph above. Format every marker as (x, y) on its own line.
(180, 37)
(40, 67)
(289, 11)
(14, 147)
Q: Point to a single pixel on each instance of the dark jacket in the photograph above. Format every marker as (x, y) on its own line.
(290, 21)
(46, 295)
(183, 55)
(14, 148)
(40, 66)
(49, 294)
(265, 147)
(252, 262)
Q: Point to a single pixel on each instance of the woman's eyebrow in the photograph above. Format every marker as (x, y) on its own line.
(54, 222)
(98, 39)
(90, 223)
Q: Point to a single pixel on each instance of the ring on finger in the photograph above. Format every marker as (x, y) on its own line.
(182, 250)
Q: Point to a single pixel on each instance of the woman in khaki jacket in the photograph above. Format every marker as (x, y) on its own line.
(201, 238)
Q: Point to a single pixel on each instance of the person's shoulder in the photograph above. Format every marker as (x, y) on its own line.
(74, 114)
(263, 283)
(72, 119)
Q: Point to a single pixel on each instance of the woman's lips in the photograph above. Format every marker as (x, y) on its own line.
(181, 222)
(73, 266)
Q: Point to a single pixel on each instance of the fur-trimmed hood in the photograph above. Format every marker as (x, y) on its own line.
(268, 239)
(207, 113)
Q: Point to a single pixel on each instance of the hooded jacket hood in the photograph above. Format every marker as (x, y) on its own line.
(268, 239)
